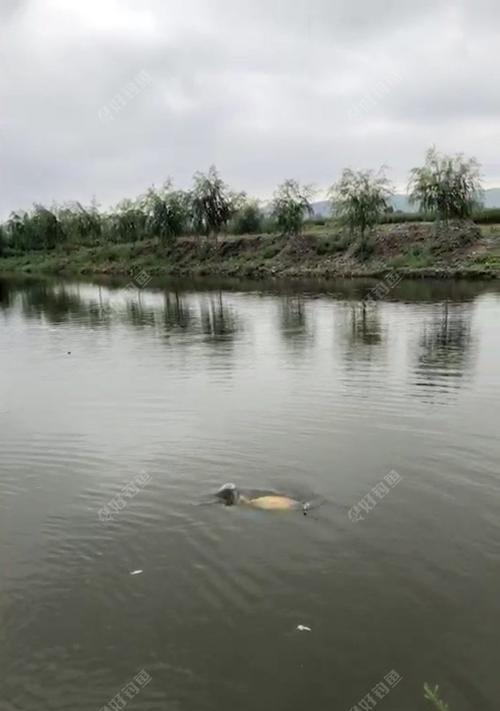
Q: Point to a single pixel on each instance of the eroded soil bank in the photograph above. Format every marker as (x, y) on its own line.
(413, 250)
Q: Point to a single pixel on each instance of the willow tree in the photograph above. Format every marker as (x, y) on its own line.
(360, 198)
(17, 230)
(212, 203)
(291, 205)
(38, 229)
(166, 211)
(46, 228)
(81, 224)
(449, 187)
(126, 222)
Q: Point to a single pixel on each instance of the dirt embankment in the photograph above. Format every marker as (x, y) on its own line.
(414, 250)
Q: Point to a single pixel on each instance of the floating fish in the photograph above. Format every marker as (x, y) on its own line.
(271, 502)
(135, 572)
(303, 628)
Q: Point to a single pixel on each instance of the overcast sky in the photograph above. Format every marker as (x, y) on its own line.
(106, 97)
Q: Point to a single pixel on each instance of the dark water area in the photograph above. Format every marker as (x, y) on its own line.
(122, 411)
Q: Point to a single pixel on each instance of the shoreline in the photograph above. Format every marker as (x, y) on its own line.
(411, 251)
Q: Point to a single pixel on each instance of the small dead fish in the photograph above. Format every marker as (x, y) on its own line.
(273, 503)
(135, 572)
(230, 495)
(303, 628)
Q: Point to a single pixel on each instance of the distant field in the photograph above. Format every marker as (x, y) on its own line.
(482, 217)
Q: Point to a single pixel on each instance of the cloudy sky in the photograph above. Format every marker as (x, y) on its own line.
(106, 97)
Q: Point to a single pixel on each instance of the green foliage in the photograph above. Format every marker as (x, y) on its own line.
(432, 695)
(46, 230)
(360, 199)
(291, 205)
(166, 212)
(248, 219)
(416, 257)
(488, 260)
(444, 187)
(80, 225)
(396, 218)
(269, 224)
(127, 223)
(212, 205)
(448, 187)
(40, 229)
(487, 216)
(332, 245)
(271, 251)
(16, 231)
(364, 249)
(316, 221)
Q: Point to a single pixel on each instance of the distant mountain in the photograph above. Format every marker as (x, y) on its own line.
(321, 208)
(401, 203)
(492, 197)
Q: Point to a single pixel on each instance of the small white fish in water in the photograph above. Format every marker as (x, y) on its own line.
(135, 572)
(303, 628)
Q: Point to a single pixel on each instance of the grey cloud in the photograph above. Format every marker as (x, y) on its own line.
(266, 90)
(10, 8)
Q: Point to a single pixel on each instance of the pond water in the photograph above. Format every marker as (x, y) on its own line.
(122, 411)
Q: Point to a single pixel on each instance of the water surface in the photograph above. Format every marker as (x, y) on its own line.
(287, 387)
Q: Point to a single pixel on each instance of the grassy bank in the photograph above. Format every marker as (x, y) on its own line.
(412, 249)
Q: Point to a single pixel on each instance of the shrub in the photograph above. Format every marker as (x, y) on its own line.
(271, 251)
(248, 219)
(364, 249)
(331, 245)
